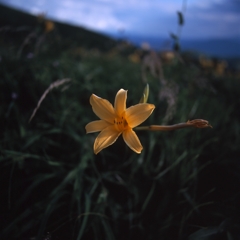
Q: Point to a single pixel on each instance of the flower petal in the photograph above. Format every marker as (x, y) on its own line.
(120, 102)
(96, 126)
(132, 140)
(137, 114)
(102, 108)
(105, 138)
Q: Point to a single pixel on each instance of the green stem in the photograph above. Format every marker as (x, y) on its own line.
(163, 128)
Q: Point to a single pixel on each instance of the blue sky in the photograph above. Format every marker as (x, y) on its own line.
(203, 18)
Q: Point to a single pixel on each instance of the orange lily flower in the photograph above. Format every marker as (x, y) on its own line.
(117, 120)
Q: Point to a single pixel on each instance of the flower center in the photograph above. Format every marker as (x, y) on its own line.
(121, 124)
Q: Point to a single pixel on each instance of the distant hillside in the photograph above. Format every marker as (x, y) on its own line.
(16, 19)
(224, 48)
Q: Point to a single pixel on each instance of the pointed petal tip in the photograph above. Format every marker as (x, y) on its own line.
(137, 151)
(151, 106)
(96, 152)
(122, 90)
(132, 140)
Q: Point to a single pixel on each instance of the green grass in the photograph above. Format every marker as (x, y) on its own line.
(184, 185)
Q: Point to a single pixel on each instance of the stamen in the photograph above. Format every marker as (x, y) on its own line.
(120, 124)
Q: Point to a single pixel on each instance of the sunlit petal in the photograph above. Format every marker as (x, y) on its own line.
(137, 114)
(120, 101)
(102, 108)
(132, 140)
(96, 126)
(105, 138)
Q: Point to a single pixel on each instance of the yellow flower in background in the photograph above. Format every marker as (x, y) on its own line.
(49, 26)
(117, 120)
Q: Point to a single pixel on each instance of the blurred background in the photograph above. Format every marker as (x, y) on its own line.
(210, 26)
(184, 184)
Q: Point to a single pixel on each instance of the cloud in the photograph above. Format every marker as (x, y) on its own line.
(205, 18)
(218, 18)
(133, 16)
(92, 16)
